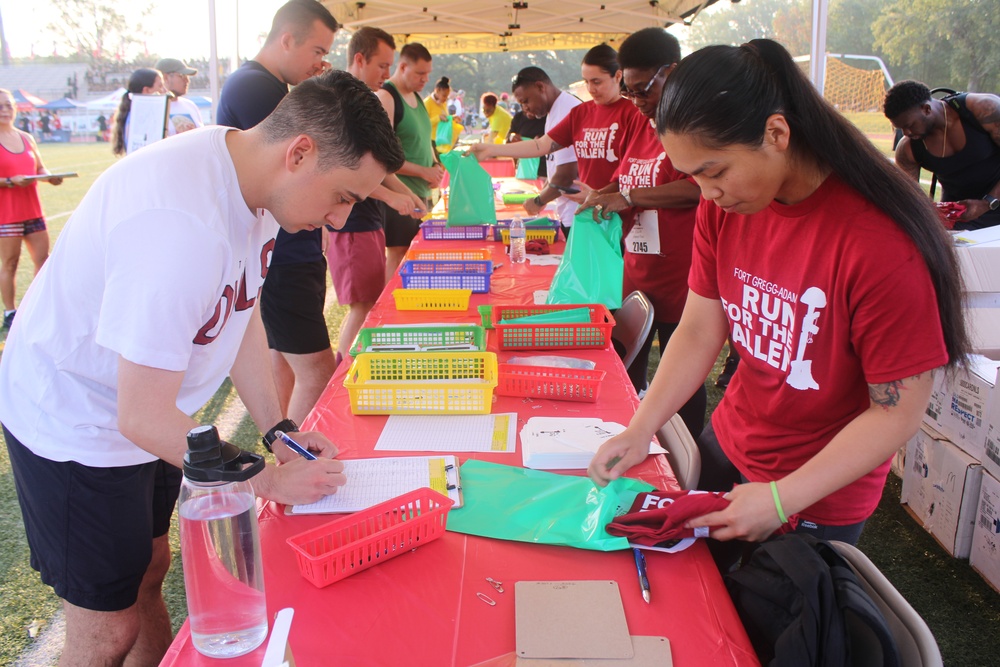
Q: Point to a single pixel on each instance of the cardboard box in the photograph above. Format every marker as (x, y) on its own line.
(934, 414)
(983, 325)
(985, 555)
(898, 464)
(941, 486)
(978, 254)
(991, 450)
(969, 398)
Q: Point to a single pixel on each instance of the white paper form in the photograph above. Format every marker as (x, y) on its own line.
(449, 433)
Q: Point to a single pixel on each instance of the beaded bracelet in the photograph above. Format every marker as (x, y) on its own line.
(777, 503)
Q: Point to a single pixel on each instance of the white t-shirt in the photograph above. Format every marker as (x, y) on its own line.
(560, 109)
(161, 263)
(184, 115)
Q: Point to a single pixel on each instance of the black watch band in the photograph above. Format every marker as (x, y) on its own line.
(993, 202)
(286, 425)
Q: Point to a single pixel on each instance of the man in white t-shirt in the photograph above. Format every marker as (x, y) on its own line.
(146, 305)
(535, 92)
(184, 114)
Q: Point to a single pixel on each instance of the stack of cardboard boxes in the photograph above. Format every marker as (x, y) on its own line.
(952, 466)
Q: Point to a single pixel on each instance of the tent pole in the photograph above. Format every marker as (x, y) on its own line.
(213, 59)
(817, 52)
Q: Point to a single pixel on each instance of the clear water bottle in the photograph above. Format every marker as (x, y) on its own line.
(517, 240)
(220, 546)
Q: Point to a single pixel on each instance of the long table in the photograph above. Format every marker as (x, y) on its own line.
(421, 609)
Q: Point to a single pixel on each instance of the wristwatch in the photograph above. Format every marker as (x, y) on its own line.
(993, 202)
(625, 193)
(538, 201)
(286, 425)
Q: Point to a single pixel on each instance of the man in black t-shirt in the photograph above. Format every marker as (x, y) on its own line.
(294, 293)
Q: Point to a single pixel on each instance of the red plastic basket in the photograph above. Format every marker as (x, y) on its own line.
(595, 334)
(354, 543)
(557, 384)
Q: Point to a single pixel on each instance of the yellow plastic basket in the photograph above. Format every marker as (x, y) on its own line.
(530, 234)
(432, 299)
(402, 383)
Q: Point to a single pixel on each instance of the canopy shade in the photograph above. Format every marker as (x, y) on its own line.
(25, 100)
(62, 103)
(467, 26)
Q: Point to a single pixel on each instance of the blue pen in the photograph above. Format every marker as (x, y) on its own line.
(640, 566)
(294, 446)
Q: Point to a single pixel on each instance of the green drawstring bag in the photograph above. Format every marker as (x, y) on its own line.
(592, 267)
(568, 316)
(470, 198)
(510, 503)
(445, 134)
(527, 167)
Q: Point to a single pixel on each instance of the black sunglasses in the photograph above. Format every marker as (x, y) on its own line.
(644, 93)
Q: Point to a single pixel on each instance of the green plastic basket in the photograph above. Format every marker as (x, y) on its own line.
(418, 339)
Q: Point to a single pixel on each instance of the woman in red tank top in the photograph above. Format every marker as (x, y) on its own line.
(21, 215)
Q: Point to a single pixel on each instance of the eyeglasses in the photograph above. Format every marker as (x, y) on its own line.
(644, 93)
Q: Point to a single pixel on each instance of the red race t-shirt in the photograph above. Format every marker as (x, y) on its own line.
(823, 298)
(598, 133)
(657, 241)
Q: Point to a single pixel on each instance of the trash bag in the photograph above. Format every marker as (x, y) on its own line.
(592, 267)
(445, 134)
(527, 167)
(511, 503)
(470, 195)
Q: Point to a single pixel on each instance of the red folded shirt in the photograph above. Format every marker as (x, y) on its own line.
(537, 247)
(950, 212)
(658, 516)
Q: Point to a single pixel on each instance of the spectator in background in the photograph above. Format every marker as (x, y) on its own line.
(498, 117)
(102, 127)
(441, 110)
(184, 114)
(294, 293)
(527, 126)
(144, 81)
(44, 122)
(21, 217)
(421, 172)
(356, 251)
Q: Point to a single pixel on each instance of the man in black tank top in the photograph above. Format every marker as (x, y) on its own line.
(958, 140)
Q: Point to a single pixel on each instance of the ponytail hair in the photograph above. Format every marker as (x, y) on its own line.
(142, 78)
(603, 56)
(723, 96)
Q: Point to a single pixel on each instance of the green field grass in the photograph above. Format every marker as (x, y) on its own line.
(962, 610)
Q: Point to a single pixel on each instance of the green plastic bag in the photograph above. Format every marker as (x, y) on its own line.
(470, 198)
(510, 503)
(445, 134)
(592, 267)
(568, 316)
(527, 167)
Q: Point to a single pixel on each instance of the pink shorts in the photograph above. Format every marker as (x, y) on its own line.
(357, 265)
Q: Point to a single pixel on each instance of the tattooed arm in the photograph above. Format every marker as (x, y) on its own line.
(892, 417)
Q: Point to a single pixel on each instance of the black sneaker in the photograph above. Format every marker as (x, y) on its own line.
(8, 319)
(727, 372)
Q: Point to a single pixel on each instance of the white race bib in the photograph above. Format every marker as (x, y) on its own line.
(644, 237)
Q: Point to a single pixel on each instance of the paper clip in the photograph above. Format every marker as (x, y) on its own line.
(495, 584)
(487, 599)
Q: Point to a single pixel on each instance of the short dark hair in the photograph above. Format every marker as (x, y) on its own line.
(529, 75)
(299, 16)
(414, 52)
(723, 95)
(904, 96)
(603, 56)
(649, 48)
(366, 40)
(342, 116)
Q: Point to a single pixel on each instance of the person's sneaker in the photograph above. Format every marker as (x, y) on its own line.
(727, 372)
(8, 319)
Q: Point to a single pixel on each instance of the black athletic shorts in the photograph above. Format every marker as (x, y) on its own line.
(91, 530)
(400, 229)
(291, 305)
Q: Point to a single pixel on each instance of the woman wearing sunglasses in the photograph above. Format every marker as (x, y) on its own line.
(657, 205)
(597, 130)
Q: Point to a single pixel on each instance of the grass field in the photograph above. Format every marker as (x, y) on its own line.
(962, 610)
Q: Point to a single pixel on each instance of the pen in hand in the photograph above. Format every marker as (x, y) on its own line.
(294, 446)
(640, 566)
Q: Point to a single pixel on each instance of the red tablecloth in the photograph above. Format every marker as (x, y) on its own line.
(421, 609)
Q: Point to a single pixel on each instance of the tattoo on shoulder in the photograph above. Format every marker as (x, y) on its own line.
(555, 147)
(887, 394)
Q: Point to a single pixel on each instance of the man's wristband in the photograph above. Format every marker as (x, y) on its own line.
(538, 201)
(777, 503)
(10, 183)
(286, 425)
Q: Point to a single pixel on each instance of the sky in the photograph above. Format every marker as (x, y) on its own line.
(177, 28)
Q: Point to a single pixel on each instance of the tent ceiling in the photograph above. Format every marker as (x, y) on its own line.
(468, 26)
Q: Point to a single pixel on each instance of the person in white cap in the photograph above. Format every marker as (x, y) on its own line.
(184, 114)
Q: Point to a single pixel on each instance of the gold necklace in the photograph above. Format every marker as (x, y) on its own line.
(944, 141)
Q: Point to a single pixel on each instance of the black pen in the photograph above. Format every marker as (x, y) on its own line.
(640, 566)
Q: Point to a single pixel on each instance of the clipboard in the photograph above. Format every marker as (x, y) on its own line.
(374, 481)
(45, 177)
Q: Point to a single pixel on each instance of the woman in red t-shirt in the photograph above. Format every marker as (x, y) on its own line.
(657, 205)
(834, 278)
(597, 130)
(20, 210)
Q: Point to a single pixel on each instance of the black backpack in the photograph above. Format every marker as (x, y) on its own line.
(802, 605)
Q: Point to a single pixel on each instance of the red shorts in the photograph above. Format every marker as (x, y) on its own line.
(357, 265)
